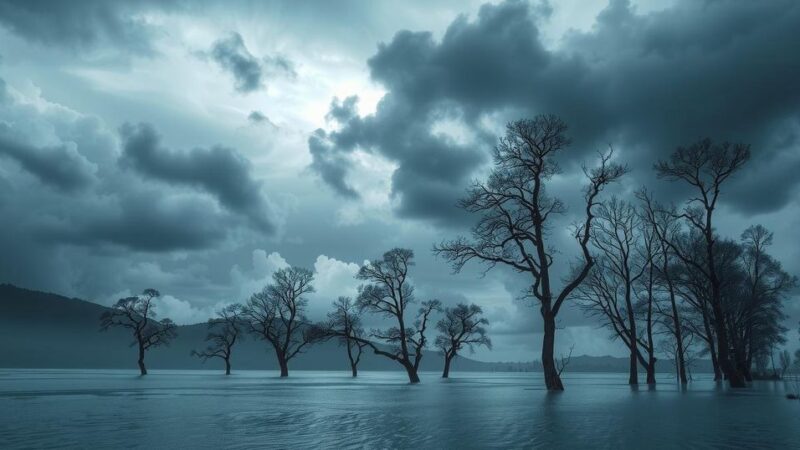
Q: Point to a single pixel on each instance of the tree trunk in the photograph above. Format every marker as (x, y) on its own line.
(552, 379)
(142, 368)
(730, 371)
(284, 366)
(633, 376)
(651, 370)
(413, 378)
(715, 363)
(633, 372)
(354, 369)
(676, 322)
(446, 372)
(227, 366)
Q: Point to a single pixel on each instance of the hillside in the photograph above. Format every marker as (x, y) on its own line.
(42, 330)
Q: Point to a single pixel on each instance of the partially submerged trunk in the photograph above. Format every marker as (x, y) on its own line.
(284, 369)
(447, 360)
(142, 368)
(735, 379)
(651, 370)
(227, 366)
(413, 378)
(552, 379)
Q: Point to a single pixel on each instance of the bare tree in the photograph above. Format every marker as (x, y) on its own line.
(277, 314)
(515, 215)
(461, 326)
(706, 166)
(138, 315)
(756, 315)
(617, 235)
(389, 292)
(223, 332)
(663, 228)
(345, 322)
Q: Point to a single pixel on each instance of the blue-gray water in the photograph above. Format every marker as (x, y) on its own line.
(192, 409)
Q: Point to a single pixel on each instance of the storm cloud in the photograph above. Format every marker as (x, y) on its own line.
(248, 71)
(643, 82)
(218, 170)
(84, 25)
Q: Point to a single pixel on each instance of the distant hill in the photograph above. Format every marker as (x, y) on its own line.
(43, 330)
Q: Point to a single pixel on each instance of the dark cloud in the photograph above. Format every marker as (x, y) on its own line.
(60, 166)
(249, 73)
(279, 65)
(232, 55)
(145, 221)
(257, 117)
(643, 82)
(330, 165)
(219, 171)
(82, 25)
(260, 119)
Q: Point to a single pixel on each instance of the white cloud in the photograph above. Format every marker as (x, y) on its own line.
(184, 313)
(332, 279)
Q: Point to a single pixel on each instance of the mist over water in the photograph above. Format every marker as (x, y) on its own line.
(189, 409)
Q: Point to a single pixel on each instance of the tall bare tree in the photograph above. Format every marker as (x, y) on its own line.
(223, 332)
(617, 236)
(345, 322)
(138, 314)
(389, 292)
(706, 166)
(516, 213)
(277, 314)
(462, 326)
(663, 227)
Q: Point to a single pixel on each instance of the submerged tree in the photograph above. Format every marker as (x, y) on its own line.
(663, 228)
(345, 322)
(462, 326)
(277, 314)
(516, 213)
(617, 236)
(223, 332)
(706, 166)
(138, 314)
(389, 292)
(756, 314)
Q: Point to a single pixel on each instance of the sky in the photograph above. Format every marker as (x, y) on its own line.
(197, 147)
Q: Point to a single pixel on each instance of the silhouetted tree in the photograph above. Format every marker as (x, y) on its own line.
(515, 212)
(277, 314)
(461, 326)
(705, 166)
(223, 332)
(663, 227)
(389, 292)
(345, 322)
(756, 314)
(617, 235)
(138, 314)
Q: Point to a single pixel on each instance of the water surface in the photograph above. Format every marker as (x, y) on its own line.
(199, 409)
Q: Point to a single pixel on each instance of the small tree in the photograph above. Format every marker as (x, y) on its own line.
(345, 322)
(223, 332)
(277, 314)
(138, 315)
(461, 326)
(389, 293)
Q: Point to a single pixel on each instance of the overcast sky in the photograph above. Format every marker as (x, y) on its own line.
(195, 147)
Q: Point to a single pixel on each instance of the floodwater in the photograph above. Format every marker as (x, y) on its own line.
(205, 409)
